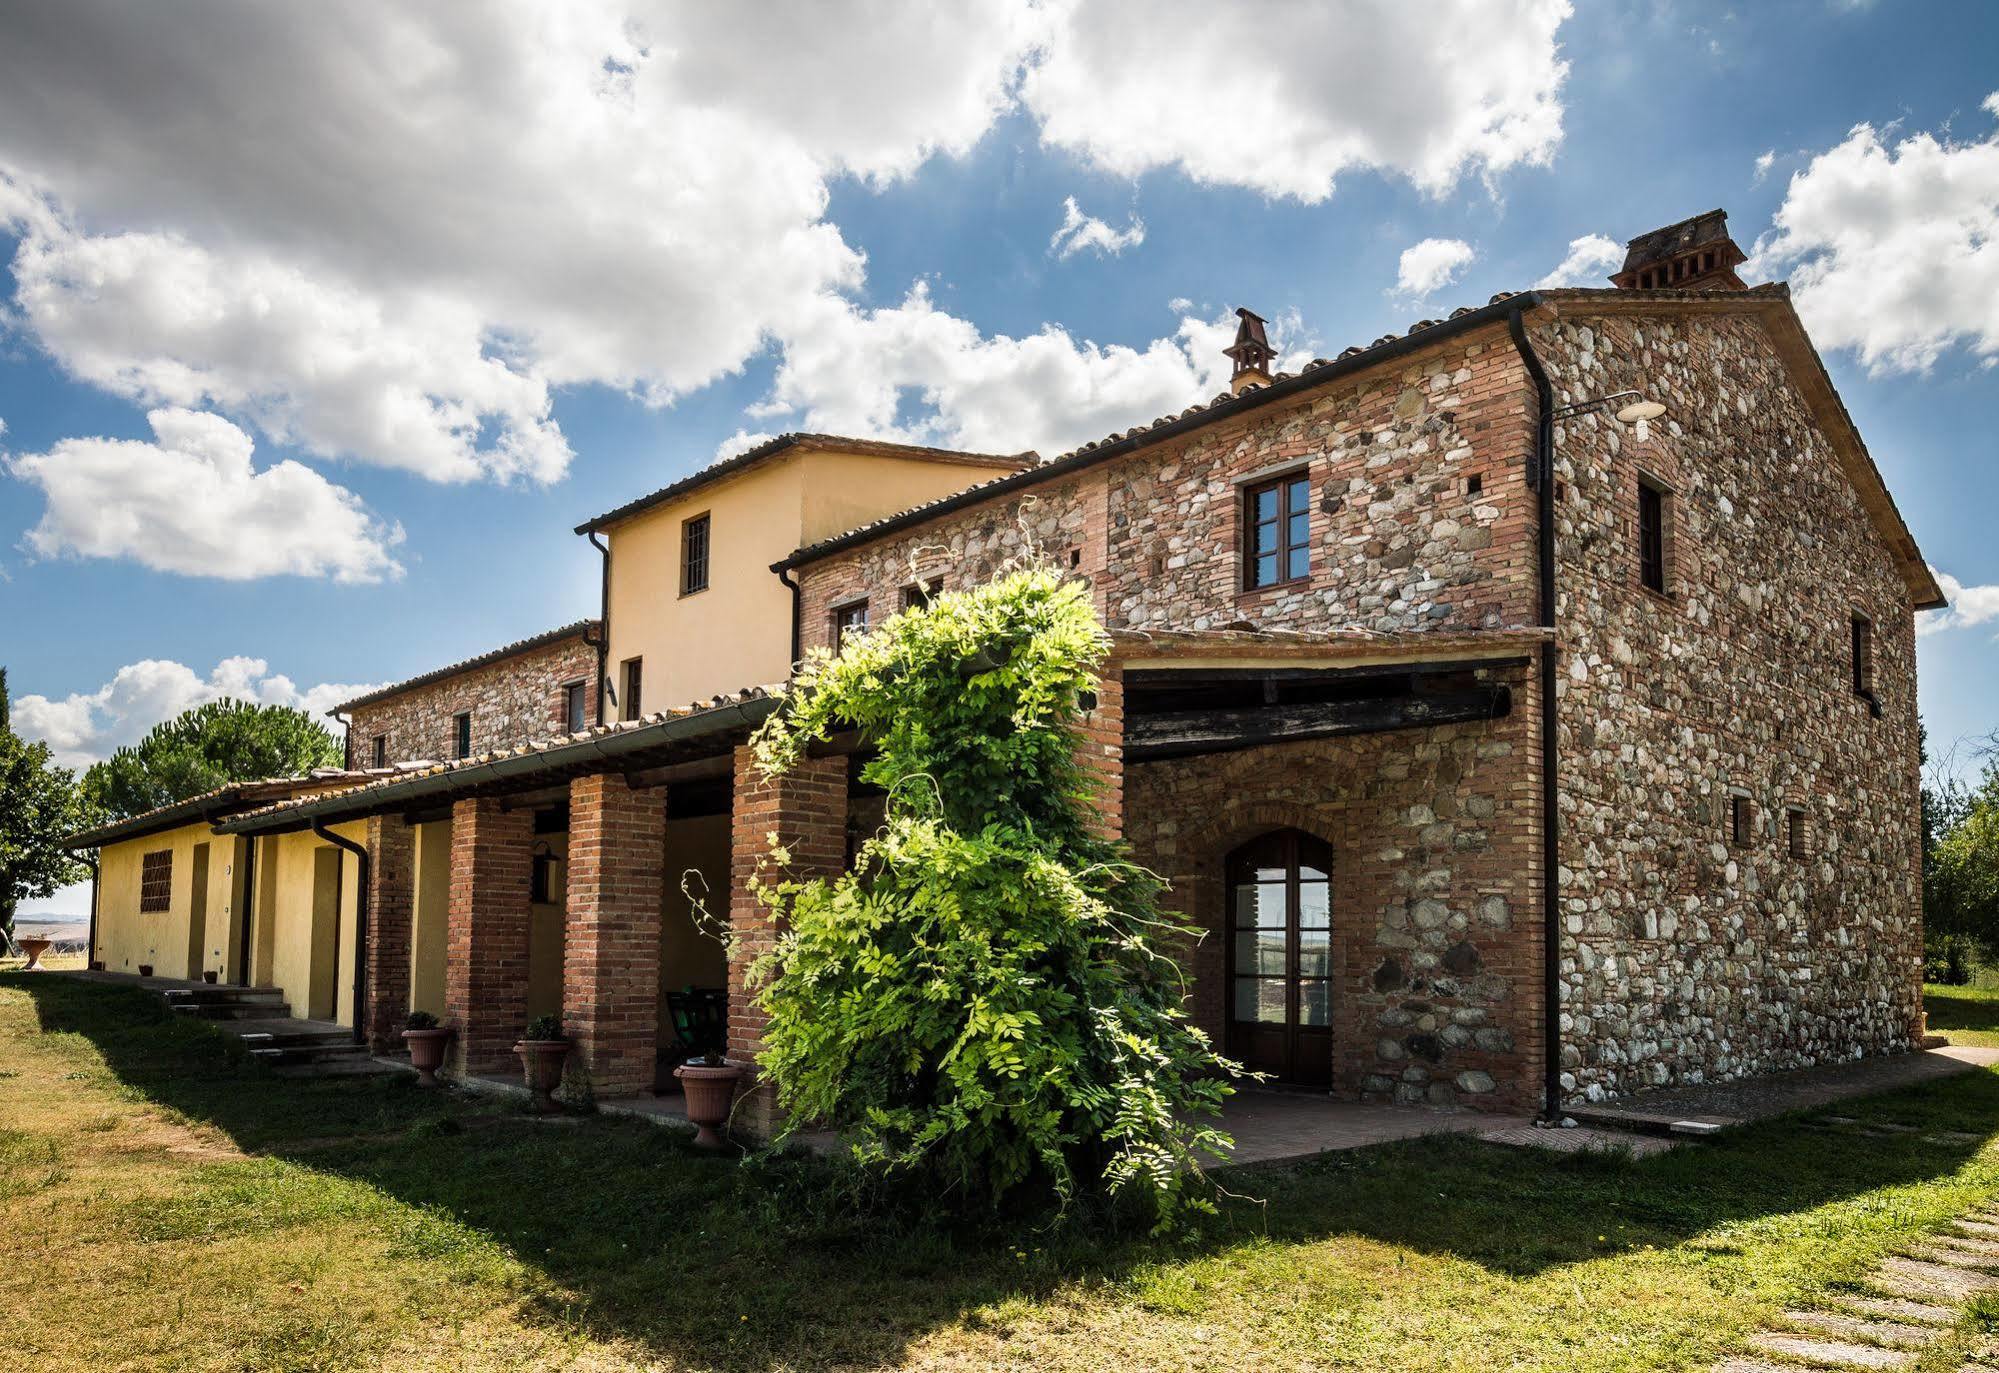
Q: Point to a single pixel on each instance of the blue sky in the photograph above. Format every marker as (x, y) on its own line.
(443, 343)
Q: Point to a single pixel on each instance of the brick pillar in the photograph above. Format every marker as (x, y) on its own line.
(807, 810)
(486, 941)
(391, 875)
(610, 942)
(1102, 749)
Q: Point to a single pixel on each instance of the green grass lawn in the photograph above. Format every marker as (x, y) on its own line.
(1967, 1015)
(166, 1203)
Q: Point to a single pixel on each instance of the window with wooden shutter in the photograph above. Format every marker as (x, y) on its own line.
(156, 881)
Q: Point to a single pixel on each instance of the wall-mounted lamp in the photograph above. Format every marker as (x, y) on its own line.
(1636, 410)
(542, 867)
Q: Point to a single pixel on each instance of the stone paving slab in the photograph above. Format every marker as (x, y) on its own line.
(1900, 1309)
(1757, 1098)
(1941, 1251)
(1903, 1277)
(1581, 1140)
(1273, 1126)
(1861, 1330)
(1836, 1353)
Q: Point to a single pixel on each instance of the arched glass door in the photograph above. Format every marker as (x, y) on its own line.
(1280, 936)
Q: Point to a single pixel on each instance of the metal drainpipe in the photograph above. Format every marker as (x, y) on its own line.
(347, 739)
(90, 945)
(797, 608)
(360, 853)
(603, 623)
(1543, 475)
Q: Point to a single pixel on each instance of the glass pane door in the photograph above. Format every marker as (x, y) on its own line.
(1281, 957)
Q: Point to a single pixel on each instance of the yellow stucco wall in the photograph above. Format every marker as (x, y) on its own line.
(691, 955)
(429, 916)
(194, 933)
(305, 921)
(737, 633)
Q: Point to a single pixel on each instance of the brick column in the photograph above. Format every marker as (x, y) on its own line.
(1102, 749)
(807, 810)
(486, 942)
(610, 942)
(391, 874)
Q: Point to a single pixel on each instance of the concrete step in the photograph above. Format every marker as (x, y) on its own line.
(234, 1010)
(307, 1053)
(211, 993)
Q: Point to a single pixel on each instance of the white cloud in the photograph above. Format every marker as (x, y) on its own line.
(1080, 231)
(1590, 261)
(1969, 605)
(191, 502)
(1284, 102)
(86, 727)
(1764, 162)
(1431, 264)
(1894, 251)
(914, 373)
(387, 231)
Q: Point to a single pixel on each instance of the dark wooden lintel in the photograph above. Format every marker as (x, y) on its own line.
(1180, 733)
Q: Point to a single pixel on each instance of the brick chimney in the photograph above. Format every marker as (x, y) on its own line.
(1694, 255)
(1252, 353)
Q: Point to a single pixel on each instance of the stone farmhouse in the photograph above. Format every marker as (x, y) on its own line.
(1523, 704)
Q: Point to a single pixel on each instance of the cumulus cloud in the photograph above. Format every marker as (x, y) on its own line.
(1764, 162)
(1233, 96)
(1893, 249)
(1591, 259)
(914, 373)
(1080, 231)
(1432, 263)
(191, 502)
(88, 726)
(1969, 605)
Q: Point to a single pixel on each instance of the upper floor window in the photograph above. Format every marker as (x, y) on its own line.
(628, 699)
(1651, 537)
(573, 718)
(851, 618)
(1863, 656)
(1277, 520)
(694, 555)
(156, 881)
(917, 595)
(461, 730)
(1795, 836)
(1741, 823)
(378, 751)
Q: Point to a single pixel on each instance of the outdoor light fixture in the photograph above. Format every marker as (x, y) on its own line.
(1638, 409)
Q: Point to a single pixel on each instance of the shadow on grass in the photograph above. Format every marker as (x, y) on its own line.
(1962, 1008)
(715, 1265)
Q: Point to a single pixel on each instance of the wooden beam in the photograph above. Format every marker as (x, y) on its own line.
(535, 800)
(1180, 733)
(700, 770)
(1155, 676)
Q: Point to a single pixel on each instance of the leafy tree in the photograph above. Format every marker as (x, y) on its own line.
(208, 747)
(983, 1000)
(40, 806)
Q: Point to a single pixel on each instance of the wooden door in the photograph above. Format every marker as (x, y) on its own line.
(1280, 947)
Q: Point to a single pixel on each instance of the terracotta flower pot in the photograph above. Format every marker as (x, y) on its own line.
(145, 970)
(541, 1066)
(427, 1052)
(711, 1092)
(211, 977)
(34, 947)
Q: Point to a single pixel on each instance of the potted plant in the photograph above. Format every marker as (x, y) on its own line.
(211, 976)
(145, 970)
(542, 1048)
(709, 1082)
(427, 1041)
(34, 946)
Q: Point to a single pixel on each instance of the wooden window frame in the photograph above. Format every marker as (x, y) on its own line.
(631, 687)
(1655, 559)
(575, 707)
(461, 734)
(1741, 820)
(694, 561)
(1861, 659)
(378, 751)
(920, 593)
(841, 624)
(156, 881)
(1285, 485)
(1797, 840)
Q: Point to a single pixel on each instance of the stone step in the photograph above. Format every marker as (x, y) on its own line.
(234, 1010)
(1861, 1330)
(1900, 1309)
(1930, 1282)
(218, 995)
(1833, 1353)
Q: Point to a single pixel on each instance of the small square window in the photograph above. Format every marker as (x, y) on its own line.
(629, 699)
(1794, 828)
(849, 619)
(573, 716)
(694, 555)
(1277, 532)
(1475, 484)
(378, 751)
(1741, 823)
(461, 730)
(156, 881)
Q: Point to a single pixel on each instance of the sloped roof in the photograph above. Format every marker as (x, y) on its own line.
(578, 629)
(770, 448)
(210, 806)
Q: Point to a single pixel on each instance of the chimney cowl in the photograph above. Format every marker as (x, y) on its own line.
(1695, 254)
(1251, 353)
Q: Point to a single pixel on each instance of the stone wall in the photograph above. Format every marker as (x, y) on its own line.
(512, 701)
(1436, 903)
(1687, 957)
(1399, 539)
